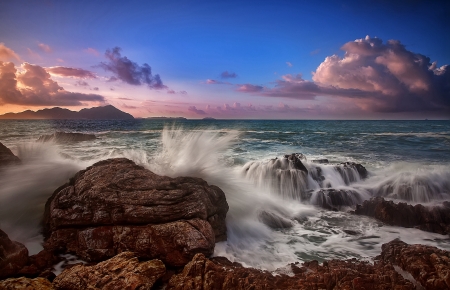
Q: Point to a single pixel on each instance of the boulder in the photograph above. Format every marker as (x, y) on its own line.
(432, 219)
(428, 265)
(40, 265)
(274, 220)
(296, 160)
(26, 284)
(116, 205)
(335, 199)
(219, 273)
(13, 256)
(7, 157)
(124, 271)
(63, 137)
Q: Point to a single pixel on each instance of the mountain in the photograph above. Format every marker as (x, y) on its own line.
(97, 113)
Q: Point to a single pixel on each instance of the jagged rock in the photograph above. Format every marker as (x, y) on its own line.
(13, 256)
(296, 160)
(116, 205)
(40, 265)
(23, 283)
(219, 273)
(124, 271)
(431, 219)
(7, 157)
(428, 265)
(63, 137)
(274, 221)
(335, 199)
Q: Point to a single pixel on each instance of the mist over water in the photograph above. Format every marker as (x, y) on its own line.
(406, 161)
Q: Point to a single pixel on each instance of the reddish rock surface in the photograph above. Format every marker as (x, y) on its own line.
(430, 266)
(219, 273)
(23, 283)
(431, 219)
(13, 256)
(124, 271)
(40, 264)
(7, 157)
(116, 205)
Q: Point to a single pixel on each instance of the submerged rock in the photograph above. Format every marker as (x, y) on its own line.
(116, 206)
(428, 265)
(431, 219)
(274, 221)
(7, 157)
(13, 256)
(63, 137)
(124, 271)
(219, 273)
(335, 199)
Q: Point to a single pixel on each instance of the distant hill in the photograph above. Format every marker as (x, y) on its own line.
(97, 113)
(166, 118)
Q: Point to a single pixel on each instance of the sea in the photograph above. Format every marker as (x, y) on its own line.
(407, 161)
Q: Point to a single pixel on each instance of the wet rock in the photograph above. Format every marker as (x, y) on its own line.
(320, 161)
(124, 271)
(348, 170)
(40, 265)
(432, 219)
(7, 157)
(13, 256)
(63, 137)
(116, 205)
(351, 232)
(274, 220)
(296, 160)
(26, 284)
(219, 273)
(428, 265)
(335, 199)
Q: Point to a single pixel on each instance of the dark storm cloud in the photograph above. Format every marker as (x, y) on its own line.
(129, 71)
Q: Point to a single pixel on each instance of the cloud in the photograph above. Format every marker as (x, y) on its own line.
(130, 72)
(71, 72)
(33, 54)
(170, 91)
(82, 83)
(249, 88)
(228, 75)
(289, 64)
(196, 111)
(92, 51)
(7, 53)
(34, 87)
(45, 47)
(377, 76)
(216, 82)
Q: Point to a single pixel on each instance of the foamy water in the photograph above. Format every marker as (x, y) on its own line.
(239, 158)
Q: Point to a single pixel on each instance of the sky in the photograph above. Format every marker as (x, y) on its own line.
(374, 59)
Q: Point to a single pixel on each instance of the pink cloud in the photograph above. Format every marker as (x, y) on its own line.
(92, 51)
(45, 47)
(7, 53)
(196, 111)
(216, 82)
(34, 87)
(379, 77)
(71, 72)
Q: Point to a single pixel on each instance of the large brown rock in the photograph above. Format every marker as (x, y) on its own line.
(431, 219)
(116, 205)
(7, 157)
(219, 273)
(428, 265)
(23, 283)
(13, 256)
(124, 271)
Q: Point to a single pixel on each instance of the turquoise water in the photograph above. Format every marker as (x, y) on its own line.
(406, 160)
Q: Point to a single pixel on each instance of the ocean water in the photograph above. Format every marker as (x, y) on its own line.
(406, 160)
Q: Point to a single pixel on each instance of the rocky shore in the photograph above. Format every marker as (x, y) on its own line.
(135, 229)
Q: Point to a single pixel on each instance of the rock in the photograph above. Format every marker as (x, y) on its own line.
(432, 219)
(7, 157)
(40, 265)
(63, 137)
(124, 271)
(320, 161)
(13, 256)
(428, 265)
(274, 220)
(351, 171)
(335, 199)
(219, 273)
(295, 160)
(116, 205)
(26, 284)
